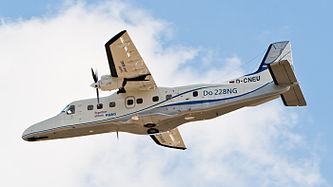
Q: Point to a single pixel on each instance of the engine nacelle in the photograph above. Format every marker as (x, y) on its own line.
(108, 83)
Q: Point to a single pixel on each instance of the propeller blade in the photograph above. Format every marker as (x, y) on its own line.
(95, 76)
(117, 135)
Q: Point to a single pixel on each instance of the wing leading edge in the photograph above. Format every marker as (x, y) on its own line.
(126, 63)
(171, 139)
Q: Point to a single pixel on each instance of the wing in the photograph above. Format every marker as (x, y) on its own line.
(171, 139)
(126, 63)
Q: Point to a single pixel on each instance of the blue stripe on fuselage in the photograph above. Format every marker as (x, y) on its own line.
(212, 100)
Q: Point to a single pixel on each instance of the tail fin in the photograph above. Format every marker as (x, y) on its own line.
(277, 52)
(278, 59)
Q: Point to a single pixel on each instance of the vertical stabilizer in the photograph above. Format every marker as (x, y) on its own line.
(277, 52)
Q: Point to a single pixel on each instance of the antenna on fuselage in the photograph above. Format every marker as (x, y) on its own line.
(95, 77)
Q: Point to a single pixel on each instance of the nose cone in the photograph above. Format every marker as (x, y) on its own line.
(28, 133)
(39, 130)
(24, 134)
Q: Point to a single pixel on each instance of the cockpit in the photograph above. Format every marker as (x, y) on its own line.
(69, 109)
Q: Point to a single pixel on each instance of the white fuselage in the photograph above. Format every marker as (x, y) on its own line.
(165, 108)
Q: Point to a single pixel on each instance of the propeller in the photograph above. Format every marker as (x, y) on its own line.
(95, 77)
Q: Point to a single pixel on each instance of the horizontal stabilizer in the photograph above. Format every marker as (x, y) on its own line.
(171, 139)
(283, 75)
(294, 97)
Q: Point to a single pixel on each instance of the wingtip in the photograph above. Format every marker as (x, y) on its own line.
(113, 39)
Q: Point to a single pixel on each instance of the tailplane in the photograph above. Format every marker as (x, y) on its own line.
(278, 59)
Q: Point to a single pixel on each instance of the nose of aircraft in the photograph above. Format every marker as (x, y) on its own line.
(35, 132)
(26, 133)
(30, 133)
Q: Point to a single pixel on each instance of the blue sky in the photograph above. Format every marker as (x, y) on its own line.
(222, 29)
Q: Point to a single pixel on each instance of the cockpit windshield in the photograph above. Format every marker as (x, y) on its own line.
(69, 109)
(63, 110)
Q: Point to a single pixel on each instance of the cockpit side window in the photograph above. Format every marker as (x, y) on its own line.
(71, 110)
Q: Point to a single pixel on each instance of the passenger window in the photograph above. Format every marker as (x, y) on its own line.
(195, 94)
(155, 98)
(112, 104)
(168, 97)
(90, 107)
(99, 105)
(71, 110)
(139, 100)
(130, 102)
